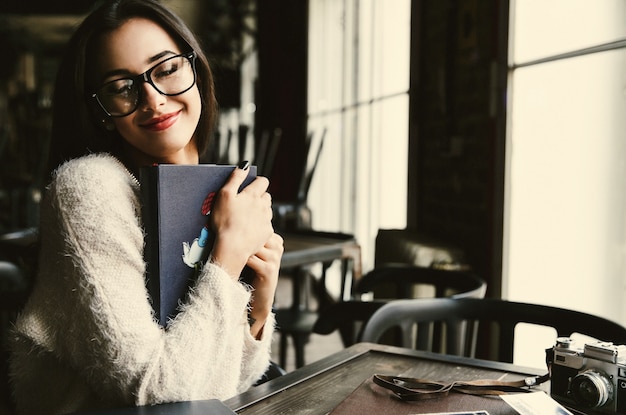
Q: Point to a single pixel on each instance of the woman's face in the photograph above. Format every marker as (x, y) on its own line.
(160, 130)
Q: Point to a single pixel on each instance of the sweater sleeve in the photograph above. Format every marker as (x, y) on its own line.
(91, 307)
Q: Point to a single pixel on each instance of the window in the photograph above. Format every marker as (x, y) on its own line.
(565, 234)
(358, 93)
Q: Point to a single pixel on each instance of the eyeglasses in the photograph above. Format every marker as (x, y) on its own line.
(173, 76)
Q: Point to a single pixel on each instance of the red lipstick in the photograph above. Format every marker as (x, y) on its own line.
(161, 123)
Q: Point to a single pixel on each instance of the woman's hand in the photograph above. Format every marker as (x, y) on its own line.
(266, 265)
(242, 221)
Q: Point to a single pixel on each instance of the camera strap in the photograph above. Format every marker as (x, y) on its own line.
(414, 389)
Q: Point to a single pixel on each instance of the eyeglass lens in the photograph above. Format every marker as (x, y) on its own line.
(172, 76)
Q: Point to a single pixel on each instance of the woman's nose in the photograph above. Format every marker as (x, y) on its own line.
(151, 99)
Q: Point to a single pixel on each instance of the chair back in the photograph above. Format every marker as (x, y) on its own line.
(461, 317)
(394, 281)
(401, 280)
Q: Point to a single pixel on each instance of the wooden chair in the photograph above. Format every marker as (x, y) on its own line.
(394, 281)
(462, 316)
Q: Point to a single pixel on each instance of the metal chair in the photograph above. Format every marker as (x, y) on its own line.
(460, 318)
(394, 281)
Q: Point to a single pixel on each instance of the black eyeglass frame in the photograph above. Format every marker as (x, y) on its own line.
(146, 77)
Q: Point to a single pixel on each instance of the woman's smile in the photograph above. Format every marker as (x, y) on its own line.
(163, 122)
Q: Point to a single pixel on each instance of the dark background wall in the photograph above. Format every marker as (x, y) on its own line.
(282, 88)
(457, 119)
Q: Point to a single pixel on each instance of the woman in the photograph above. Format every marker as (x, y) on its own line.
(136, 89)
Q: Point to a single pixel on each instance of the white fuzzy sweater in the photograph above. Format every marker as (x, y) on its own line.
(87, 337)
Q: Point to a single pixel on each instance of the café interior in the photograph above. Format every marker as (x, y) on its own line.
(468, 149)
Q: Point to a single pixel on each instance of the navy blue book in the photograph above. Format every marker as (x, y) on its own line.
(176, 204)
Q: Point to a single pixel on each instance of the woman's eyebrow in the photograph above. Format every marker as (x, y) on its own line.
(160, 55)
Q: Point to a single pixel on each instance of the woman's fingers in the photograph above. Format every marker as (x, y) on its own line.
(242, 220)
(267, 259)
(266, 266)
(234, 183)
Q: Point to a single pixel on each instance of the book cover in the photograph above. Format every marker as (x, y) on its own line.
(176, 204)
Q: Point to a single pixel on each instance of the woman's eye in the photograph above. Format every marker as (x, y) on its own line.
(125, 90)
(166, 71)
(117, 88)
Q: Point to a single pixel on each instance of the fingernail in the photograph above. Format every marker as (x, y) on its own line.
(243, 165)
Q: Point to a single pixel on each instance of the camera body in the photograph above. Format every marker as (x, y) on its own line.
(589, 376)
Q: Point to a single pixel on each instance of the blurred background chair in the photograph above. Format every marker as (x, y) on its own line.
(461, 317)
(13, 294)
(410, 281)
(18, 264)
(406, 246)
(389, 282)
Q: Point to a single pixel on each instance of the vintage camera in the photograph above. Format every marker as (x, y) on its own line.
(589, 376)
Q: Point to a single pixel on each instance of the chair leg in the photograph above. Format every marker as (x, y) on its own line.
(299, 341)
(347, 332)
(283, 350)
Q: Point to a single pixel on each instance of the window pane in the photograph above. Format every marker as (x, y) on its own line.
(367, 33)
(567, 234)
(326, 195)
(543, 28)
(325, 55)
(392, 46)
(360, 184)
(390, 151)
(565, 228)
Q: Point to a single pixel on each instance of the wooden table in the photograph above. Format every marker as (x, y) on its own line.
(310, 247)
(319, 387)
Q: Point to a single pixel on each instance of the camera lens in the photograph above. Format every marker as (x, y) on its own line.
(591, 389)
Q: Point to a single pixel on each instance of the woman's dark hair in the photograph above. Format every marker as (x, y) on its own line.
(76, 126)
